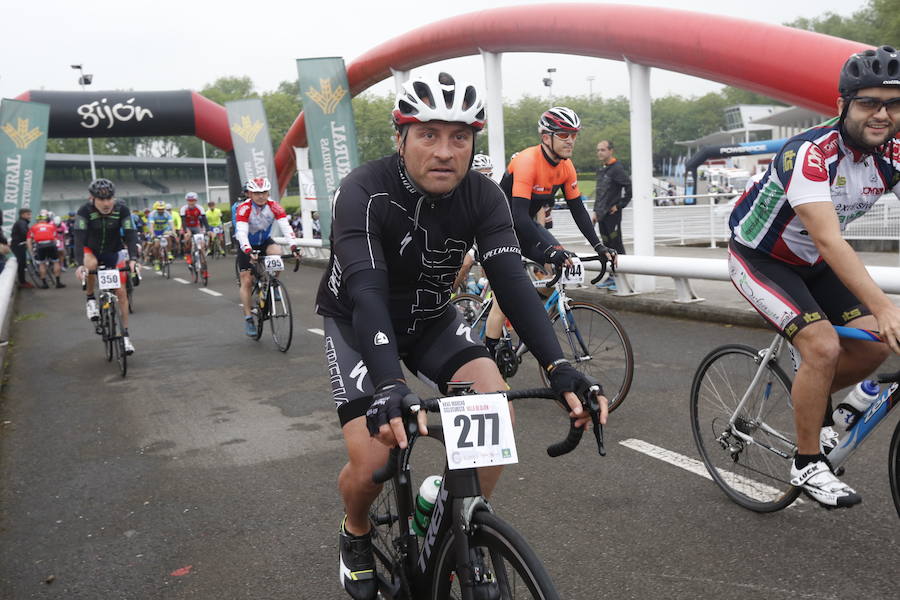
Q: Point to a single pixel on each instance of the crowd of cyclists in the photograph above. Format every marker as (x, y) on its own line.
(404, 225)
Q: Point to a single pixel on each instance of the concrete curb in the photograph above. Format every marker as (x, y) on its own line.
(657, 303)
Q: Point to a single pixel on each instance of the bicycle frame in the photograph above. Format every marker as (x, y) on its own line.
(459, 497)
(865, 424)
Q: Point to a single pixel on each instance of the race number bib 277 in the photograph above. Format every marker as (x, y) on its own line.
(478, 431)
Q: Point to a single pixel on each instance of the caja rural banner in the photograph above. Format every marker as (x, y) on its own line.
(252, 145)
(23, 146)
(330, 129)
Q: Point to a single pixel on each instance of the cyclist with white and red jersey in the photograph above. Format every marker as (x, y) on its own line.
(193, 220)
(787, 256)
(41, 243)
(253, 227)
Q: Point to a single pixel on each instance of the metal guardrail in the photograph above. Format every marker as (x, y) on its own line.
(7, 293)
(682, 270)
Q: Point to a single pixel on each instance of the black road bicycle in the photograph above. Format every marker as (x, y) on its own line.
(468, 552)
(109, 326)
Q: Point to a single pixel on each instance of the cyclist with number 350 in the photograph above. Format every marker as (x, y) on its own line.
(401, 227)
(790, 261)
(103, 227)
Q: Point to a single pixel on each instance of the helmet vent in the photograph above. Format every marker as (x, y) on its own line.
(424, 93)
(893, 67)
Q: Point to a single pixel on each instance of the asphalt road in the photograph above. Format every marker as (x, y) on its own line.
(210, 471)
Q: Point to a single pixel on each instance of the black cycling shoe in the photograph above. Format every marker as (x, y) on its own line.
(357, 565)
(485, 585)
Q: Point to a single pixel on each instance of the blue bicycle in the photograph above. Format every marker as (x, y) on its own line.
(743, 423)
(591, 337)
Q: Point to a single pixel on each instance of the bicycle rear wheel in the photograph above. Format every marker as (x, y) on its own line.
(281, 319)
(34, 274)
(894, 466)
(515, 567)
(385, 517)
(469, 306)
(597, 345)
(755, 474)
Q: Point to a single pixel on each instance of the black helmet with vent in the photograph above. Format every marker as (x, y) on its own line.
(871, 68)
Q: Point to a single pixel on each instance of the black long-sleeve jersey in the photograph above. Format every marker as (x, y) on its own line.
(104, 233)
(382, 223)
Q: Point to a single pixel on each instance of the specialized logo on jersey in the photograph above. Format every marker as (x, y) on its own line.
(406, 239)
(814, 165)
(247, 129)
(326, 98)
(381, 339)
(22, 136)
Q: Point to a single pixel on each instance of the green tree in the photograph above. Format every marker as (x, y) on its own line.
(876, 23)
(374, 129)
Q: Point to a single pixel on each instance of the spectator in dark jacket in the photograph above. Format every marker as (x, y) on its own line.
(17, 242)
(613, 195)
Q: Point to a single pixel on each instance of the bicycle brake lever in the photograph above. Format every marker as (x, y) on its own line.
(598, 433)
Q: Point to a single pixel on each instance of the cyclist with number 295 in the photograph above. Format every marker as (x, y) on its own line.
(103, 227)
(401, 227)
(253, 225)
(787, 256)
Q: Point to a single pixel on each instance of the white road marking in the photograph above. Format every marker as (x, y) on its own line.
(210, 292)
(180, 280)
(316, 331)
(745, 485)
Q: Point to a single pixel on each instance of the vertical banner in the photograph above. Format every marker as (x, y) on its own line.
(330, 129)
(23, 146)
(252, 144)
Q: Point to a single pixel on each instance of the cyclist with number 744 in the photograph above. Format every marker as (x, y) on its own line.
(402, 225)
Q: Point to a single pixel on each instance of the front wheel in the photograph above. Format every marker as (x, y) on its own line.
(468, 306)
(508, 560)
(108, 319)
(596, 344)
(894, 465)
(281, 319)
(258, 308)
(748, 453)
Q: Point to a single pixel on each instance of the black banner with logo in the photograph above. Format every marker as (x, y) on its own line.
(117, 113)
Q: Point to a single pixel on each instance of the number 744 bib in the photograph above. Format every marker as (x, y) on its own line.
(478, 431)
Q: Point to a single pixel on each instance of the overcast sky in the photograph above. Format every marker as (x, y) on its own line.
(178, 44)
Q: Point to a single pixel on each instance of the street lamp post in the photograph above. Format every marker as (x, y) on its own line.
(86, 80)
(548, 82)
(590, 80)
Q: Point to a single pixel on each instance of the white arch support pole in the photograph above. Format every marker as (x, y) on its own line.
(641, 168)
(400, 77)
(493, 82)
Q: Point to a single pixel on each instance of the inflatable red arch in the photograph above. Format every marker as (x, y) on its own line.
(795, 66)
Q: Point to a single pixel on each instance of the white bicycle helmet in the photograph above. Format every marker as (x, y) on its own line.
(559, 119)
(258, 184)
(482, 162)
(440, 98)
(191, 196)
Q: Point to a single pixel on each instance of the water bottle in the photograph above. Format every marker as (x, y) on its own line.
(425, 504)
(855, 404)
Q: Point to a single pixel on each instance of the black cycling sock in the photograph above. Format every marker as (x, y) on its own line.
(491, 343)
(91, 297)
(802, 460)
(125, 332)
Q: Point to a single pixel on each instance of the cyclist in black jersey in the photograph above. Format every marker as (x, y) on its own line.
(103, 228)
(401, 227)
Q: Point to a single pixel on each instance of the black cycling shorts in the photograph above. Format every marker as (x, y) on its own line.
(790, 297)
(45, 251)
(243, 260)
(433, 355)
